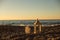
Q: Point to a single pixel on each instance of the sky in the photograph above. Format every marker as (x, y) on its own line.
(29, 9)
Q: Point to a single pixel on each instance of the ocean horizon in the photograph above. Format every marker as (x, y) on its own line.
(29, 22)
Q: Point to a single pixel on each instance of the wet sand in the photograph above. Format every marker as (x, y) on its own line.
(8, 32)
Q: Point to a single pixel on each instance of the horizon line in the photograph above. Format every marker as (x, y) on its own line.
(30, 19)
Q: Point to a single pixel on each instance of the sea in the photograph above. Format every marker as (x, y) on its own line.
(29, 22)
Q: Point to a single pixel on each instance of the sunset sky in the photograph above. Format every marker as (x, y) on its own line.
(29, 9)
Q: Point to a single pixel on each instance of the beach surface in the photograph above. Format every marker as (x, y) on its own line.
(9, 32)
